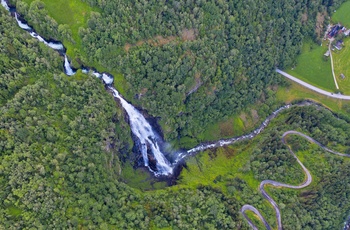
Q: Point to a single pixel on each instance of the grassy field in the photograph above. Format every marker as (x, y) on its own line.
(341, 58)
(233, 126)
(228, 162)
(341, 66)
(311, 66)
(298, 92)
(342, 14)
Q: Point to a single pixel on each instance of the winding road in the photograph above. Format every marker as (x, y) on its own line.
(314, 88)
(307, 182)
(107, 80)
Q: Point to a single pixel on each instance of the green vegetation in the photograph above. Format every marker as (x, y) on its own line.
(313, 67)
(60, 144)
(67, 17)
(140, 178)
(342, 14)
(65, 148)
(341, 66)
(296, 92)
(190, 63)
(341, 57)
(238, 170)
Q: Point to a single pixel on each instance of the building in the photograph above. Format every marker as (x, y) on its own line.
(339, 45)
(327, 53)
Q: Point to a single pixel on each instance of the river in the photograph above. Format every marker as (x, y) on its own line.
(150, 142)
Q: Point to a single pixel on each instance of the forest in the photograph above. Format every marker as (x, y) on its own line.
(64, 140)
(191, 62)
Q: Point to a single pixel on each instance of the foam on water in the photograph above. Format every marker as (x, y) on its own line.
(55, 46)
(67, 68)
(4, 4)
(149, 140)
(21, 24)
(147, 137)
(107, 79)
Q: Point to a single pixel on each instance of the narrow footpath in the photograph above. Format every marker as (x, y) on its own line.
(332, 65)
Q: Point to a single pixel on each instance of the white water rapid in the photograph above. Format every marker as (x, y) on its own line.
(67, 68)
(21, 24)
(150, 142)
(4, 4)
(147, 137)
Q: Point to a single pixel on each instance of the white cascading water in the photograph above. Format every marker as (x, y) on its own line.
(107, 79)
(67, 68)
(139, 125)
(4, 4)
(55, 46)
(144, 132)
(21, 24)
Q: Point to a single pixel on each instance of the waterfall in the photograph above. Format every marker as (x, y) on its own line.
(149, 140)
(67, 68)
(4, 4)
(21, 24)
(147, 137)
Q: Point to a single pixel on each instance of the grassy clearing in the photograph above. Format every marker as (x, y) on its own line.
(73, 13)
(235, 125)
(341, 58)
(312, 67)
(342, 14)
(298, 92)
(342, 66)
(230, 127)
(14, 211)
(206, 169)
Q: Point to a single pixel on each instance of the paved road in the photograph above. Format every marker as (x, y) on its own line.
(279, 184)
(314, 88)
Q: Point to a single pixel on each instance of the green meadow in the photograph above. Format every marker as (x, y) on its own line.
(313, 67)
(342, 14)
(341, 66)
(73, 13)
(210, 165)
(297, 92)
(342, 57)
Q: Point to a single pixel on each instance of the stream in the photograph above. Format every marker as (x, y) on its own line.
(151, 144)
(148, 141)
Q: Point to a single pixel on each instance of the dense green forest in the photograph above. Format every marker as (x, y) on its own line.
(63, 138)
(191, 63)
